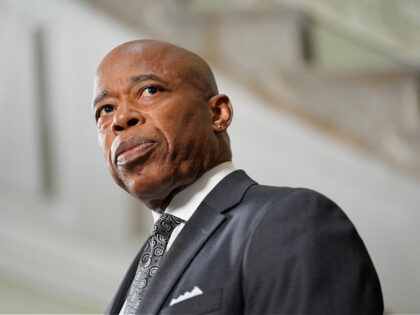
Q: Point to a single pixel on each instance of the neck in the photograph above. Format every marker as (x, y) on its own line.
(161, 205)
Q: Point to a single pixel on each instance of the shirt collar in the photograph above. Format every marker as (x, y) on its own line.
(184, 204)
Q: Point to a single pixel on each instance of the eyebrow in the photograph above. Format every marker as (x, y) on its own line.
(101, 96)
(145, 77)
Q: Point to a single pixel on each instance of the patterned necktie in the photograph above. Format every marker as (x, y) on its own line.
(150, 260)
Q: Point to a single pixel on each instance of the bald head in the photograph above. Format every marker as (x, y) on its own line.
(186, 64)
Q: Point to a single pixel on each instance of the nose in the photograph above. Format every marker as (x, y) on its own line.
(126, 116)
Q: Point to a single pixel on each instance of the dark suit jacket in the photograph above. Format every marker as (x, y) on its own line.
(263, 250)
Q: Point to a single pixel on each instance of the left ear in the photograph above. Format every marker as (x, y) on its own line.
(222, 112)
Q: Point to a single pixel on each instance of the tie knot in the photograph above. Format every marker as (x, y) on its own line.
(165, 225)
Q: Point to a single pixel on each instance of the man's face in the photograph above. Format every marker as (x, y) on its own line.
(154, 127)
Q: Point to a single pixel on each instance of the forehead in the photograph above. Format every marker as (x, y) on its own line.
(119, 66)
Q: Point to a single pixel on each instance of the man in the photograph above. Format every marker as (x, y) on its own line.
(221, 242)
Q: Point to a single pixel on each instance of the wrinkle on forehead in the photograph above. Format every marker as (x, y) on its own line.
(167, 58)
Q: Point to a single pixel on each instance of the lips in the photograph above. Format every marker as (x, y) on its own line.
(126, 152)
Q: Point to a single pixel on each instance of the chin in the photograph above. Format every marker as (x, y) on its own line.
(148, 189)
(154, 184)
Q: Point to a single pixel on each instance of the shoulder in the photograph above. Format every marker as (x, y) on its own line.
(301, 221)
(298, 213)
(292, 203)
(306, 246)
(284, 210)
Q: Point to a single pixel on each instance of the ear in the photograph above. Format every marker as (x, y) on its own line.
(222, 112)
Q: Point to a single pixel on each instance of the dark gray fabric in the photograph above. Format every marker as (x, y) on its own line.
(256, 249)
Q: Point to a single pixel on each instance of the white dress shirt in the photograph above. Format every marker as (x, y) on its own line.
(184, 204)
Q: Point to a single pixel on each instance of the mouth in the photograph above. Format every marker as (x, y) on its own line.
(129, 152)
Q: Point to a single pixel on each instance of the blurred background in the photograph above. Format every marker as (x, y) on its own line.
(325, 93)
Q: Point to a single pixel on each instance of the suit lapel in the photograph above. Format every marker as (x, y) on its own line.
(199, 228)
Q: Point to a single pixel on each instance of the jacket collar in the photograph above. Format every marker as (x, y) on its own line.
(229, 191)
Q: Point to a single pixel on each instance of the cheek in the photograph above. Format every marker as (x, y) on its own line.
(179, 129)
(182, 117)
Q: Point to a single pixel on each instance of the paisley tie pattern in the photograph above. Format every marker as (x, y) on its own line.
(150, 260)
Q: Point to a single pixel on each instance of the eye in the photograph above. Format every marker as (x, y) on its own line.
(151, 90)
(106, 109)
